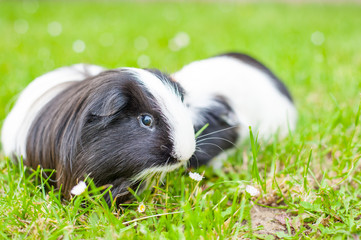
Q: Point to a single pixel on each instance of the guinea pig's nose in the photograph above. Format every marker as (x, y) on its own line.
(185, 150)
(182, 135)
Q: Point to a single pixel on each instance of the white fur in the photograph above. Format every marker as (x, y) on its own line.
(146, 176)
(33, 98)
(177, 115)
(148, 173)
(252, 94)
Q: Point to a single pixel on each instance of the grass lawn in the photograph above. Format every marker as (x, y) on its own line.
(309, 182)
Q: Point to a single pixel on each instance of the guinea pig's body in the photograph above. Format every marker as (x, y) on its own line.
(118, 126)
(232, 92)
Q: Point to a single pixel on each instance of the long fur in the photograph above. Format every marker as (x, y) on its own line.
(33, 98)
(90, 126)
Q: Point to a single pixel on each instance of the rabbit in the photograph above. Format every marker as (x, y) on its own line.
(231, 92)
(120, 127)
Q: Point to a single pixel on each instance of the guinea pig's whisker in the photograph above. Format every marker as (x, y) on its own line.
(204, 152)
(164, 147)
(218, 131)
(197, 158)
(166, 162)
(198, 148)
(210, 138)
(212, 144)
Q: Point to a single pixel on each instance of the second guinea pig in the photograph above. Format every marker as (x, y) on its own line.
(231, 92)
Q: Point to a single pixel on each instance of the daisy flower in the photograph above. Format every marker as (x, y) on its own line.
(141, 207)
(195, 176)
(78, 189)
(252, 191)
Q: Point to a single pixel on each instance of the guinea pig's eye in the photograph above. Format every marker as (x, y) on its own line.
(146, 120)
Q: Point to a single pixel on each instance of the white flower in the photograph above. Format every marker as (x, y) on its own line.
(252, 191)
(195, 176)
(141, 207)
(78, 189)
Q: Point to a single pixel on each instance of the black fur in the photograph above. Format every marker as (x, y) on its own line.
(166, 79)
(92, 128)
(221, 133)
(255, 63)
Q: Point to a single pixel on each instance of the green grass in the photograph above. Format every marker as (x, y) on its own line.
(313, 176)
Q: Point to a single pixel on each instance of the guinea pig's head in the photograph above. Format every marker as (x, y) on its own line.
(118, 127)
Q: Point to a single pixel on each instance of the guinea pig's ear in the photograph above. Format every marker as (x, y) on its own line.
(108, 103)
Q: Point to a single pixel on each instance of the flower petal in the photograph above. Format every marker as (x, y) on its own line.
(78, 189)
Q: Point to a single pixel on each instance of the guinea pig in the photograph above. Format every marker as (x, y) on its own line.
(120, 127)
(231, 92)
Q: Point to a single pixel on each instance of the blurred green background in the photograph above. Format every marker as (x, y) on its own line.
(314, 48)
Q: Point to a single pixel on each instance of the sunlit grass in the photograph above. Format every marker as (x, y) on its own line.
(311, 179)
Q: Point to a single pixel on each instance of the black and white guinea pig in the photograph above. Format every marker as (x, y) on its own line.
(117, 126)
(232, 92)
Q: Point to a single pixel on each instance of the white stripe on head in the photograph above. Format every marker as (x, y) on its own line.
(176, 114)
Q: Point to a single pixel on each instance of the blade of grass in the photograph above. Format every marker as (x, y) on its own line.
(255, 148)
(201, 130)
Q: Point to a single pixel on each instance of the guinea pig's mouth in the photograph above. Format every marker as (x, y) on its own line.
(170, 165)
(173, 160)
